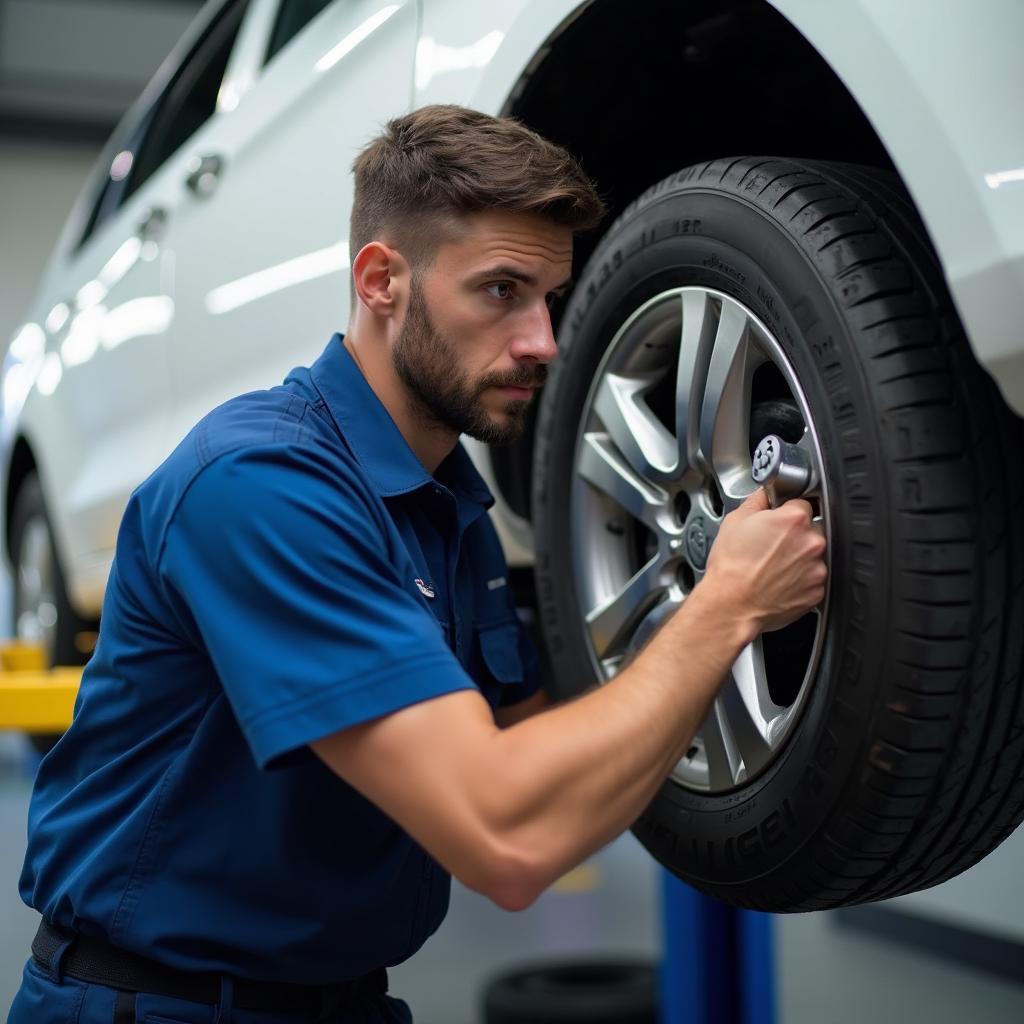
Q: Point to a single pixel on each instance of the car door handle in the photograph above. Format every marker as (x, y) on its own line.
(153, 224)
(203, 174)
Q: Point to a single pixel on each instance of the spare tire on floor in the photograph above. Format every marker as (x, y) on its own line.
(586, 992)
(876, 747)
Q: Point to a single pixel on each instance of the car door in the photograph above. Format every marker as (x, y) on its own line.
(261, 257)
(97, 417)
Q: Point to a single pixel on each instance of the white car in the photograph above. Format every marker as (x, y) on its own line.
(817, 233)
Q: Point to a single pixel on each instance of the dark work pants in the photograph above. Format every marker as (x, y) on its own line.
(47, 999)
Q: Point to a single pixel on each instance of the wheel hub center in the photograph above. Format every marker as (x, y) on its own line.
(698, 543)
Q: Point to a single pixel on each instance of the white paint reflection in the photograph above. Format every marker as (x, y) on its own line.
(121, 262)
(99, 327)
(50, 374)
(1004, 177)
(265, 282)
(355, 37)
(90, 294)
(95, 291)
(17, 383)
(91, 330)
(57, 317)
(28, 344)
(24, 357)
(83, 336)
(228, 98)
(433, 58)
(136, 318)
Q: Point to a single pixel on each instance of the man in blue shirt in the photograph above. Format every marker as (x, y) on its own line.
(311, 702)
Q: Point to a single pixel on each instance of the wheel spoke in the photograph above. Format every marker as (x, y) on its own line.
(749, 708)
(612, 618)
(650, 623)
(696, 345)
(638, 434)
(602, 467)
(34, 568)
(30, 584)
(725, 765)
(725, 409)
(34, 596)
(689, 357)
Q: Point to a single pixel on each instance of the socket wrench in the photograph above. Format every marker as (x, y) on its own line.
(784, 470)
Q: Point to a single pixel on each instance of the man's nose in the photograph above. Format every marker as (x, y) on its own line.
(537, 340)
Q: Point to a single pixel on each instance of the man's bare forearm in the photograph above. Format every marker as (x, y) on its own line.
(574, 777)
(509, 810)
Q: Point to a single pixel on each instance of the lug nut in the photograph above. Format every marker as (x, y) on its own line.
(784, 470)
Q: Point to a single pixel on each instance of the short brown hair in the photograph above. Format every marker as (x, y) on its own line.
(443, 160)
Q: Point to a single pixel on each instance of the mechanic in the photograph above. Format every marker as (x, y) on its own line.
(311, 701)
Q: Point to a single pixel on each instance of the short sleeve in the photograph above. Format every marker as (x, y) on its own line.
(281, 559)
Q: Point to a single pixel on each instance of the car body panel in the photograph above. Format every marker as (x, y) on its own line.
(106, 367)
(946, 105)
(119, 288)
(261, 264)
(250, 280)
(947, 133)
(97, 413)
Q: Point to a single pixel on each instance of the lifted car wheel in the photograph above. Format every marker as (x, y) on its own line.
(876, 746)
(43, 616)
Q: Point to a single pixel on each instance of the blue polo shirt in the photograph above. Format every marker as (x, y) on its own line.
(290, 570)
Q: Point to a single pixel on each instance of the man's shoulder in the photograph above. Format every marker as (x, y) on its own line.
(258, 418)
(258, 435)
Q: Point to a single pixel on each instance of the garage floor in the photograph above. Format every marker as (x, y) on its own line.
(609, 906)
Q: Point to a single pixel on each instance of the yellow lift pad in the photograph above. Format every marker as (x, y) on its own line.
(34, 698)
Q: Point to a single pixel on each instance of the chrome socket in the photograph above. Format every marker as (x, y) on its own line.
(784, 470)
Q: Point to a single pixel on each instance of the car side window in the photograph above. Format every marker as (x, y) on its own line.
(185, 104)
(190, 99)
(292, 17)
(113, 187)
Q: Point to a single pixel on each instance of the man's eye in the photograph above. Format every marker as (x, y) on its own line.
(500, 290)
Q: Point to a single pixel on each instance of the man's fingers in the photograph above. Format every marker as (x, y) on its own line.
(756, 502)
(798, 508)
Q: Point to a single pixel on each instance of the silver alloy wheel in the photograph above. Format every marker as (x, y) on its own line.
(35, 593)
(662, 455)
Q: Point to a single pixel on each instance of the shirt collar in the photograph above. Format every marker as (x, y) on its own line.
(375, 439)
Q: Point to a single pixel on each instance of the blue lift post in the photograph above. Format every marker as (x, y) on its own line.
(718, 965)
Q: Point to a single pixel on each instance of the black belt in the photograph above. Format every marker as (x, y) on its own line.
(97, 962)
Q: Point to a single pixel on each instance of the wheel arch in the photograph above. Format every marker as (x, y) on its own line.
(22, 465)
(773, 93)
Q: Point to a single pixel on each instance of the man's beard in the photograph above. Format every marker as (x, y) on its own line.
(427, 365)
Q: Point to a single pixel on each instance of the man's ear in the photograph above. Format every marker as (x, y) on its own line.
(380, 276)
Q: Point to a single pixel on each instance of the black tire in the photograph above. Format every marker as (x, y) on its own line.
(64, 644)
(574, 993)
(906, 764)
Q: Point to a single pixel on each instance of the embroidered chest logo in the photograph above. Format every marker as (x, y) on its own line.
(426, 589)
